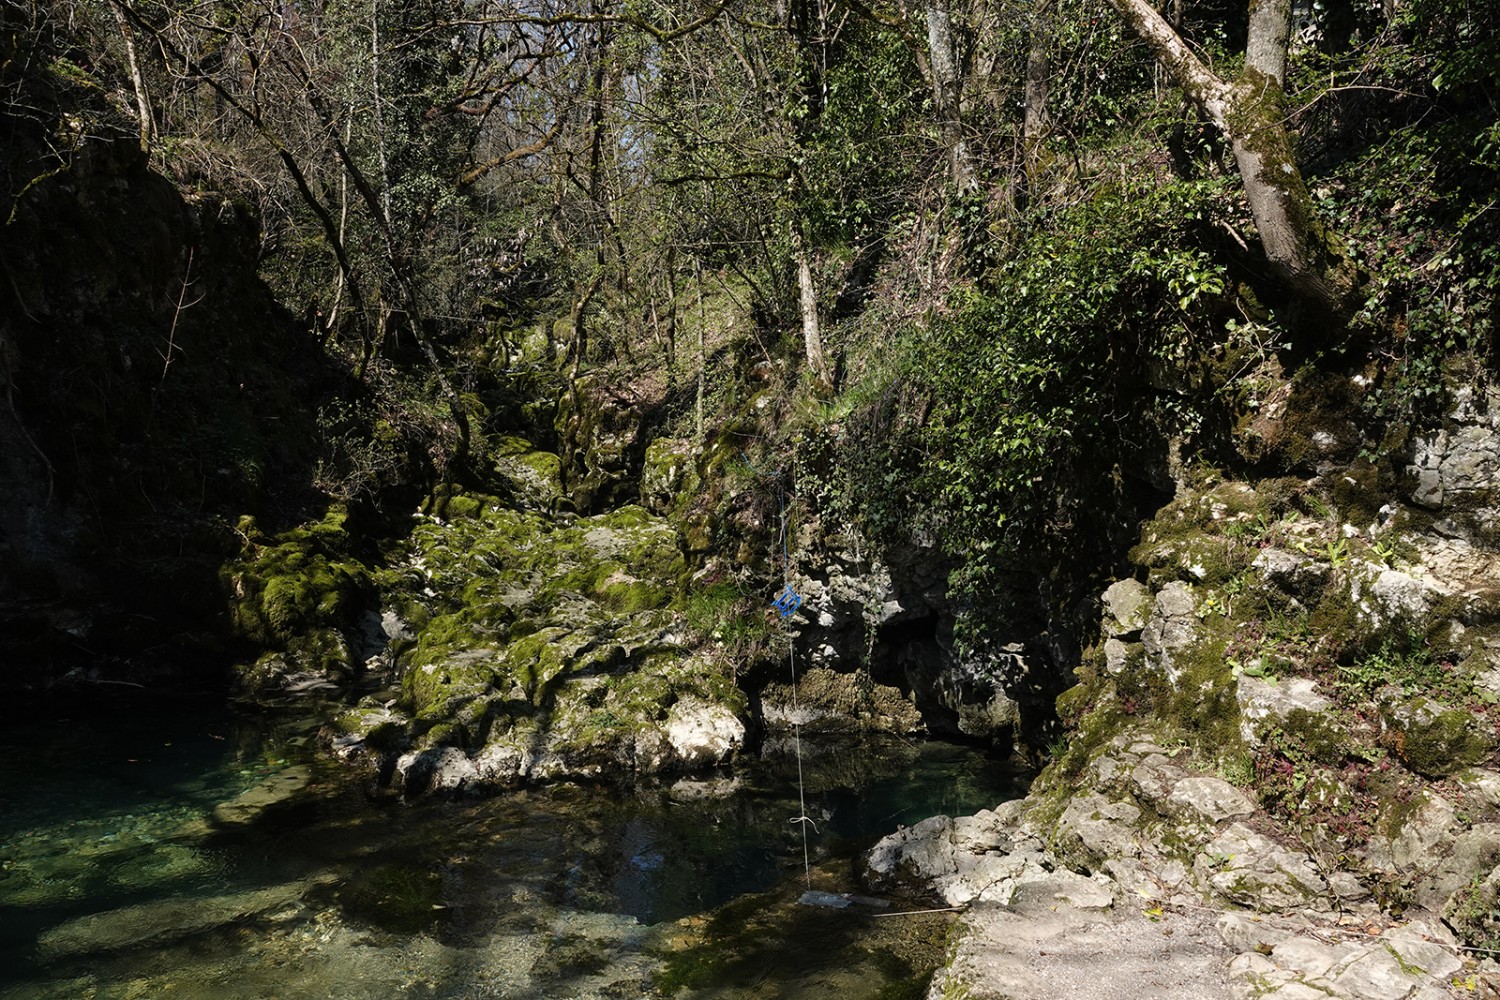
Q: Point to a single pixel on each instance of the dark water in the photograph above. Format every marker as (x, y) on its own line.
(116, 882)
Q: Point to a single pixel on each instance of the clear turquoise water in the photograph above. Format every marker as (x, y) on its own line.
(113, 882)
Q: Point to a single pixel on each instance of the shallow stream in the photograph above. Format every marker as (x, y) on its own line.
(205, 855)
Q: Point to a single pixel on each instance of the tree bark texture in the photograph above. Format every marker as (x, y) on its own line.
(1038, 64)
(137, 82)
(947, 90)
(812, 332)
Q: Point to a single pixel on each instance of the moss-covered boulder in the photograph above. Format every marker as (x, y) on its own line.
(601, 428)
(669, 476)
(544, 648)
(1433, 739)
(287, 585)
(533, 477)
(297, 595)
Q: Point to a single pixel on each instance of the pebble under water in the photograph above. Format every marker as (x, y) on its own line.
(208, 855)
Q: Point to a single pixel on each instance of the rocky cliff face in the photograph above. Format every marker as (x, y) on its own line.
(1289, 716)
(145, 394)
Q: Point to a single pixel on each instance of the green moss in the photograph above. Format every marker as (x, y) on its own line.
(1317, 736)
(298, 582)
(377, 727)
(1358, 494)
(1441, 743)
(429, 690)
(1202, 703)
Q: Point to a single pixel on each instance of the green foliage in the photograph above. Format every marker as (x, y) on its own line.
(1408, 662)
(1473, 914)
(720, 613)
(1038, 373)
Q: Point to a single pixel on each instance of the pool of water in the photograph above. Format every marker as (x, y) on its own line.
(124, 874)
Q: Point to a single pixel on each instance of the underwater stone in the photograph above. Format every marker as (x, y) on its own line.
(252, 804)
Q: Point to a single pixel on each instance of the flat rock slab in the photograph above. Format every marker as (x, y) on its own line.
(153, 924)
(840, 900)
(1037, 952)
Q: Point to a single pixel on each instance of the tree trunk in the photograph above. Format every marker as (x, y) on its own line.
(812, 333)
(1252, 112)
(142, 99)
(947, 89)
(1034, 127)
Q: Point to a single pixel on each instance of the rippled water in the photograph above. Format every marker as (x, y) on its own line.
(118, 879)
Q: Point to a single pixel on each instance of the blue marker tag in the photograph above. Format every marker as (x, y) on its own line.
(787, 603)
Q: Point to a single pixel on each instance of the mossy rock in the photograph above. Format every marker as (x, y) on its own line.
(299, 581)
(533, 477)
(669, 476)
(317, 660)
(378, 728)
(431, 689)
(1433, 739)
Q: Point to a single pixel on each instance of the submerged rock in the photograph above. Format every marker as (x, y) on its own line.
(254, 803)
(152, 924)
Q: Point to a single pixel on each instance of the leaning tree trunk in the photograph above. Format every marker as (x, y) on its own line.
(1251, 111)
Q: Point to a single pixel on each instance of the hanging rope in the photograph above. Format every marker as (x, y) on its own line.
(801, 820)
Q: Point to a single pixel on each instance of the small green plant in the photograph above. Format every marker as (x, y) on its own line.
(1408, 663)
(1238, 770)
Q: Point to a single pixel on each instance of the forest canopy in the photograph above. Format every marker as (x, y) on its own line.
(1121, 218)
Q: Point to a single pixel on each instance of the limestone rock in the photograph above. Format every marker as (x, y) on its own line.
(925, 850)
(1436, 740)
(1413, 962)
(1401, 596)
(1413, 834)
(1118, 656)
(668, 471)
(1265, 705)
(534, 477)
(703, 732)
(1048, 949)
(1094, 830)
(1483, 783)
(1171, 627)
(1244, 932)
(1127, 605)
(368, 728)
(1291, 571)
(1475, 853)
(1210, 799)
(1063, 886)
(1252, 870)
(442, 769)
(1459, 465)
(1154, 778)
